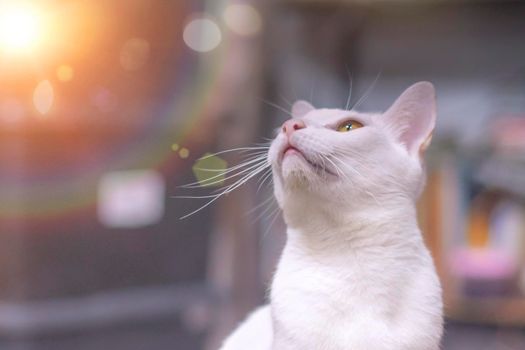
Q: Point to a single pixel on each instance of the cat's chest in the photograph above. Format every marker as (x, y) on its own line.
(328, 300)
(350, 302)
(320, 309)
(325, 289)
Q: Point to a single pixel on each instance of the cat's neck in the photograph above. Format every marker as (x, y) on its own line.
(328, 230)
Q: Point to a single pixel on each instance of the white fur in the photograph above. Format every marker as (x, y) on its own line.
(355, 273)
(254, 334)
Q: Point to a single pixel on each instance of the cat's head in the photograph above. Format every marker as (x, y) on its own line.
(333, 158)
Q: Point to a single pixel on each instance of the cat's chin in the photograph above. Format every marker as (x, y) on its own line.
(296, 170)
(298, 173)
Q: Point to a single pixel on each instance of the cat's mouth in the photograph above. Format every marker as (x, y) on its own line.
(290, 150)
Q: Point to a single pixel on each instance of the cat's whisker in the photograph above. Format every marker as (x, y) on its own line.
(255, 164)
(221, 191)
(285, 100)
(246, 162)
(354, 170)
(260, 205)
(241, 149)
(319, 162)
(357, 155)
(227, 189)
(346, 166)
(348, 151)
(350, 90)
(265, 144)
(200, 208)
(312, 87)
(251, 153)
(256, 168)
(275, 215)
(219, 178)
(367, 92)
(196, 197)
(353, 154)
(253, 159)
(337, 168)
(358, 173)
(268, 210)
(282, 109)
(264, 179)
(222, 180)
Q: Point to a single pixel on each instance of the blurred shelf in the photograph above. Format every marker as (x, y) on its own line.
(487, 310)
(104, 309)
(379, 2)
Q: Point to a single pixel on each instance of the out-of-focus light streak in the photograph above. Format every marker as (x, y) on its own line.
(202, 34)
(20, 27)
(243, 19)
(43, 97)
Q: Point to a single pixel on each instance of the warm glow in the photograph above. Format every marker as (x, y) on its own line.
(20, 27)
(65, 73)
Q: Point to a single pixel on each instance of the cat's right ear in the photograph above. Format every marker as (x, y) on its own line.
(300, 108)
(413, 117)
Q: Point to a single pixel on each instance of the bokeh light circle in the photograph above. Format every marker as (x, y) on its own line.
(243, 19)
(202, 34)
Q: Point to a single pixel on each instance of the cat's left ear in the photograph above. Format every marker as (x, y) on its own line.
(300, 108)
(413, 117)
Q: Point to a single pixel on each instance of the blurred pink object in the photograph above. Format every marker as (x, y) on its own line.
(485, 272)
(483, 264)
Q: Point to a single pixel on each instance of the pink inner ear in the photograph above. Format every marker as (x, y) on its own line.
(413, 116)
(300, 108)
(418, 129)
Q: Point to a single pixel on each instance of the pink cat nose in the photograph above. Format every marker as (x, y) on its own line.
(292, 125)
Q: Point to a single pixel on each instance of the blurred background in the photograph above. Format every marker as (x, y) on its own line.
(108, 107)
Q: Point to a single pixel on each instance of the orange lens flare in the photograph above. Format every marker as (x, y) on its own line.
(20, 27)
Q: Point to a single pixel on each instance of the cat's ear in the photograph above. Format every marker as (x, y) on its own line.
(413, 117)
(300, 108)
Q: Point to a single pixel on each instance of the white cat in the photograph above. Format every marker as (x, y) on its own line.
(355, 273)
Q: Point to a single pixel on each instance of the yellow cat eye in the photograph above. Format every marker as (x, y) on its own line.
(349, 126)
